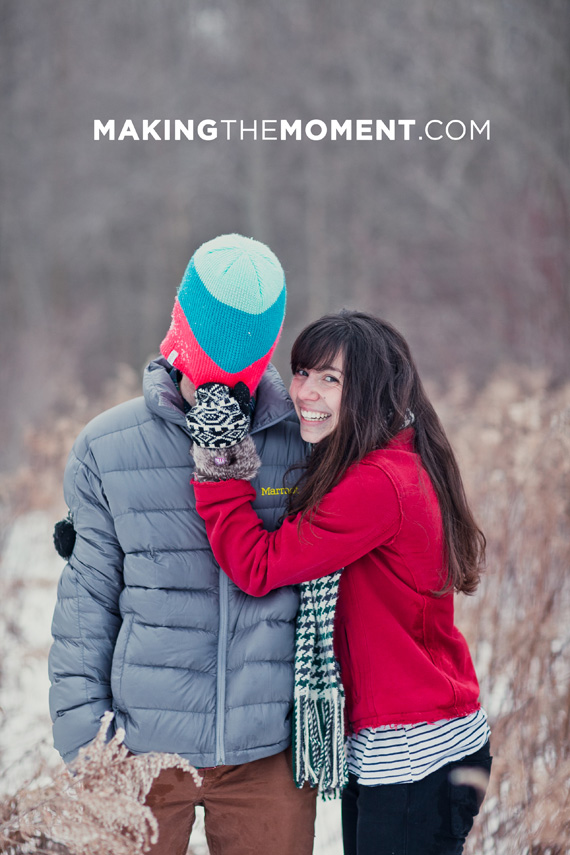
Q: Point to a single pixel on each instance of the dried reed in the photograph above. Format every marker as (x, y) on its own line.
(92, 808)
(513, 443)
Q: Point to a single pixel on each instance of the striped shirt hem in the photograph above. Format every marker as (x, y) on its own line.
(406, 754)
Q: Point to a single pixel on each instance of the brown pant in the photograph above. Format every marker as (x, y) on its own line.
(251, 809)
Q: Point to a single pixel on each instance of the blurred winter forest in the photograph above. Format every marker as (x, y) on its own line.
(463, 245)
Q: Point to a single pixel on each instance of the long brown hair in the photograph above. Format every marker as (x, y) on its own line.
(380, 386)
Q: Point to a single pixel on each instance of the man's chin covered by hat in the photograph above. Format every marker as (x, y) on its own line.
(146, 623)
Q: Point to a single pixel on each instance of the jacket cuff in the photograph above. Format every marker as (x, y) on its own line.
(240, 461)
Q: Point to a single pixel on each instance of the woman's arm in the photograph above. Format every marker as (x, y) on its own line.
(360, 513)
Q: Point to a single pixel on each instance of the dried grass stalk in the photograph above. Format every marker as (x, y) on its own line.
(513, 443)
(94, 807)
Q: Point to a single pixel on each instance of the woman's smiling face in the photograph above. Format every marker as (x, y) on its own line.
(316, 394)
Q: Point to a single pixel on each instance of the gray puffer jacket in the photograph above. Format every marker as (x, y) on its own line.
(146, 623)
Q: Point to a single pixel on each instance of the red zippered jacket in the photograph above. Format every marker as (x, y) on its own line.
(402, 659)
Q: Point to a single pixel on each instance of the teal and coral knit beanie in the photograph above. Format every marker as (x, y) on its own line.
(228, 312)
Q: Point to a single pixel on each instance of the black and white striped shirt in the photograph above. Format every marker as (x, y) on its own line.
(409, 752)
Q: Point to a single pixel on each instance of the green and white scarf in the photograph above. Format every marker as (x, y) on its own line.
(318, 723)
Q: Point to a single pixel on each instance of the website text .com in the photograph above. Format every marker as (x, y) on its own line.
(315, 130)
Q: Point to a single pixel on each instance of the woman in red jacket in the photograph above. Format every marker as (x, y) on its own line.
(379, 516)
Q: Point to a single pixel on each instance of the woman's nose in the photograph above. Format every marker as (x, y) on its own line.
(310, 390)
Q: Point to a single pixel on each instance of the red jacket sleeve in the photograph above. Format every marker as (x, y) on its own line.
(360, 513)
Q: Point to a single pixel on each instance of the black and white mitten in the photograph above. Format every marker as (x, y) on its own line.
(219, 424)
(217, 420)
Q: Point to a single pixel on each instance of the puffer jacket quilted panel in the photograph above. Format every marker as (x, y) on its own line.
(146, 623)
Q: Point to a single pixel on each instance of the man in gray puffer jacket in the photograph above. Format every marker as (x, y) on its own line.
(147, 624)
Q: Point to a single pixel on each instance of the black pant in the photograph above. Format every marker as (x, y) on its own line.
(430, 817)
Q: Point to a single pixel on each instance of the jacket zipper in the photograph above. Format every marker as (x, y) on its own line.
(222, 662)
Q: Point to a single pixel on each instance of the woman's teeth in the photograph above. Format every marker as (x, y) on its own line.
(314, 417)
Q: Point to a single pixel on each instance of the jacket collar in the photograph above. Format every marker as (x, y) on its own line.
(403, 441)
(164, 400)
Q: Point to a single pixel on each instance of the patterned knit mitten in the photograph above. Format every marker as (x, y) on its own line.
(218, 419)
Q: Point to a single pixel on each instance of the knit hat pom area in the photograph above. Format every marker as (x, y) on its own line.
(228, 313)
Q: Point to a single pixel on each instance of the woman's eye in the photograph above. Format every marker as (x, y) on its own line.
(330, 379)
(301, 372)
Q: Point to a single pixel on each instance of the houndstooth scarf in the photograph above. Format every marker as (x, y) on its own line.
(318, 723)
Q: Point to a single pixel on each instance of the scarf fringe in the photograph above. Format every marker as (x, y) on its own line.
(319, 756)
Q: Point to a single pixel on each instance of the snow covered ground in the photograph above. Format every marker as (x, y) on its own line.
(29, 572)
